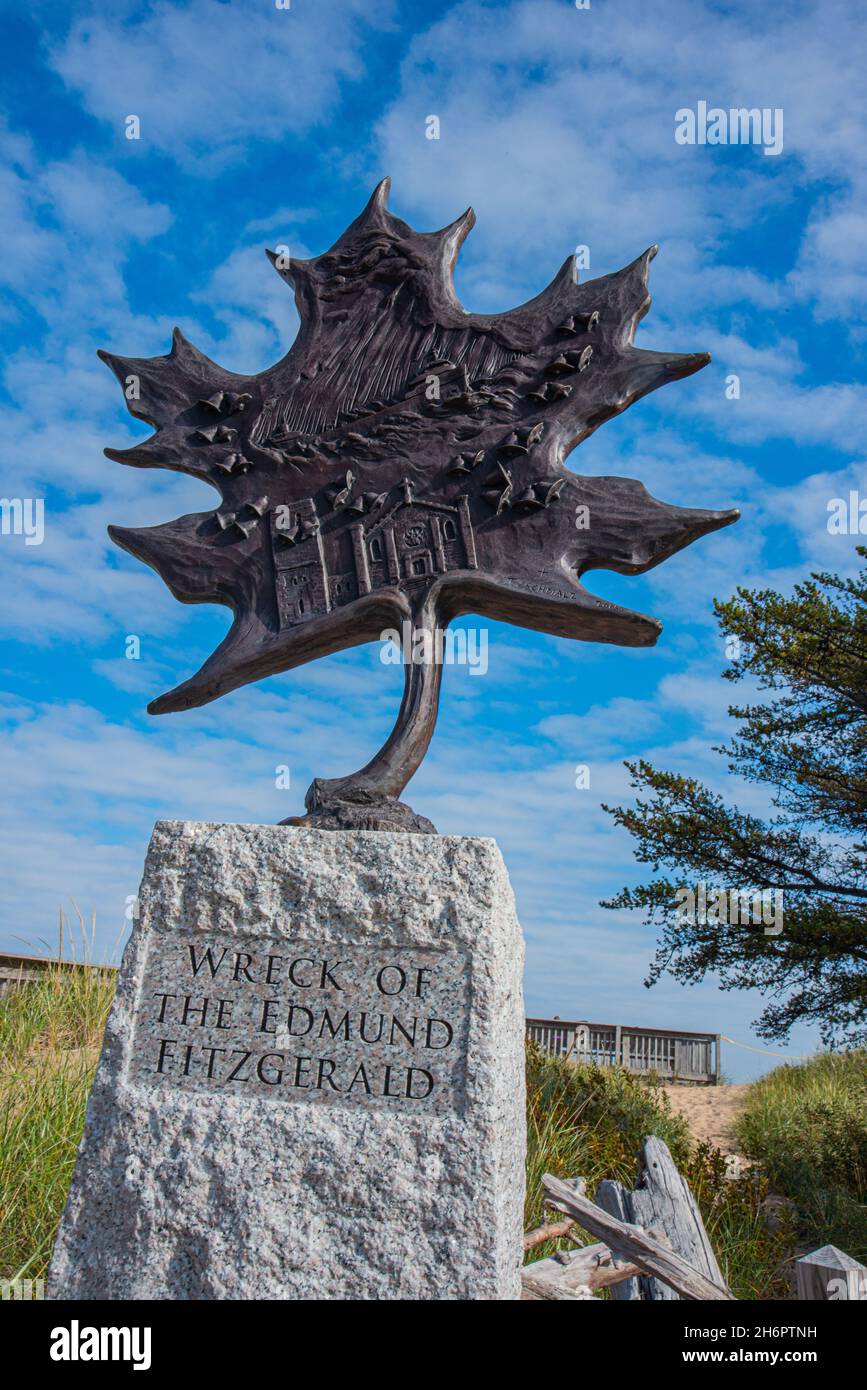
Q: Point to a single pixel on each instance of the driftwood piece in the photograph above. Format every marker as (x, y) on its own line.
(612, 1197)
(662, 1198)
(541, 1290)
(552, 1230)
(828, 1275)
(592, 1266)
(632, 1243)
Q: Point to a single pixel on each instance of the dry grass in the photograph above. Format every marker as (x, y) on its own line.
(591, 1122)
(50, 1034)
(806, 1125)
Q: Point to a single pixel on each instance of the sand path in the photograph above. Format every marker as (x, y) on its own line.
(710, 1111)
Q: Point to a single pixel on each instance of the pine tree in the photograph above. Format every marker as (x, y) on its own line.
(808, 743)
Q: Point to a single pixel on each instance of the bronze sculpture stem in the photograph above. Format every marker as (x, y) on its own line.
(369, 798)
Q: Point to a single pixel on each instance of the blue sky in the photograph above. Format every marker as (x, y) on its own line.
(262, 126)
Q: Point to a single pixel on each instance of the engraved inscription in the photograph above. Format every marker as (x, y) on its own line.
(381, 1025)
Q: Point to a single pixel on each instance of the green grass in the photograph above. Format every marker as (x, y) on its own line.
(591, 1122)
(754, 1254)
(50, 1032)
(582, 1121)
(806, 1125)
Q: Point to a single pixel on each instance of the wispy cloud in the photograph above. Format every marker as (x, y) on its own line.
(261, 126)
(206, 78)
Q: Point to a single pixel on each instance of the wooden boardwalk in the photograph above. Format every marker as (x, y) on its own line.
(18, 970)
(673, 1055)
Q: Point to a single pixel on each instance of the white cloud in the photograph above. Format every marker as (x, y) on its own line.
(831, 269)
(206, 78)
(558, 126)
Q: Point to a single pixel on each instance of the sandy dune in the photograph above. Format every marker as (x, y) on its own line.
(710, 1111)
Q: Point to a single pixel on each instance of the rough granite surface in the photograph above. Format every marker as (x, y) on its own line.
(189, 1186)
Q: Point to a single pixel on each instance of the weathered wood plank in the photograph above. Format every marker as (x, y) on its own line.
(634, 1244)
(661, 1197)
(612, 1197)
(543, 1290)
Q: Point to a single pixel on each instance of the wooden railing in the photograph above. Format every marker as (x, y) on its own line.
(18, 970)
(672, 1054)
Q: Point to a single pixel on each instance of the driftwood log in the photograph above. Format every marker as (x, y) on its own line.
(630, 1243)
(590, 1267)
(551, 1230)
(661, 1198)
(611, 1197)
(542, 1290)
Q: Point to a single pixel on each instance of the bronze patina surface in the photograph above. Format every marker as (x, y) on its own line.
(403, 463)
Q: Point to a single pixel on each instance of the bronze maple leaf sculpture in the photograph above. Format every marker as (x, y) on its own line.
(404, 462)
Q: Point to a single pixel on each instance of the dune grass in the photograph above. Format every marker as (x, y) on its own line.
(591, 1122)
(806, 1124)
(50, 1032)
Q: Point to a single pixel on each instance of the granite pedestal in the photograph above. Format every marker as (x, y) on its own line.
(312, 1082)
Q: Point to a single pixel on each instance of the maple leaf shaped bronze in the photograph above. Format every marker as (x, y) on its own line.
(404, 462)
